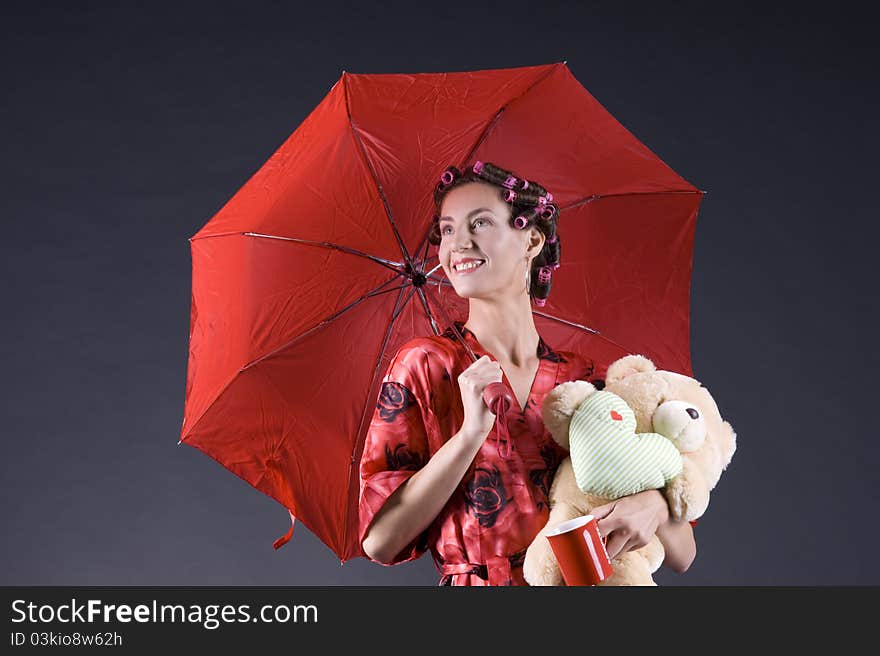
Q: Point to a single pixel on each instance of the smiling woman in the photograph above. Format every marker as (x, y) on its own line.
(523, 204)
(430, 477)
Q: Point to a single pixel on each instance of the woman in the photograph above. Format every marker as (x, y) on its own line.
(430, 477)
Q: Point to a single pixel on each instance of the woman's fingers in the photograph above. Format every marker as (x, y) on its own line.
(601, 511)
(615, 543)
(607, 525)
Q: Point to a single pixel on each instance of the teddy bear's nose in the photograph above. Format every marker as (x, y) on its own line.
(693, 413)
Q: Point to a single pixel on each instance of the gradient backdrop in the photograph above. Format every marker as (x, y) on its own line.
(125, 130)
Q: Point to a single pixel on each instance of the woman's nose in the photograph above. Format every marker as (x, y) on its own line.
(461, 241)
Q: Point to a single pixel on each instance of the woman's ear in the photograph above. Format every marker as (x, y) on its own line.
(536, 241)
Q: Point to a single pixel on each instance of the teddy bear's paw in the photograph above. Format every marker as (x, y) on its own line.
(687, 494)
(540, 566)
(676, 498)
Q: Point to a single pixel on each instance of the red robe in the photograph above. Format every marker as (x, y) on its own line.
(501, 503)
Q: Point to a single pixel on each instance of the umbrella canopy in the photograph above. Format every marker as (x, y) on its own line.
(318, 269)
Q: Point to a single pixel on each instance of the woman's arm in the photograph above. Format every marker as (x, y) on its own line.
(418, 501)
(677, 538)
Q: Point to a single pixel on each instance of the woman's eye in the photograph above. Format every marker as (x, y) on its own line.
(443, 231)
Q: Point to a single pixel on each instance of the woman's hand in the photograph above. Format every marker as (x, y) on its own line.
(630, 522)
(478, 419)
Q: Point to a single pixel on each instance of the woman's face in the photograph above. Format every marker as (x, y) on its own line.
(475, 225)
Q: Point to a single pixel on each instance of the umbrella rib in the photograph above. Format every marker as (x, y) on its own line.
(374, 292)
(398, 308)
(391, 264)
(582, 327)
(379, 188)
(434, 325)
(439, 281)
(424, 243)
(504, 107)
(449, 320)
(591, 198)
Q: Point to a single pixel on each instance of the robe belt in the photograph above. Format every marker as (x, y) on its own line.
(496, 569)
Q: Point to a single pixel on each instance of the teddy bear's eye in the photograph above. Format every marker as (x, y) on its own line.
(693, 413)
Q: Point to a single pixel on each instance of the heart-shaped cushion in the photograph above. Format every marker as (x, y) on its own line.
(609, 458)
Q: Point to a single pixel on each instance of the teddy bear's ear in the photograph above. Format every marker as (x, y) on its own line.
(627, 366)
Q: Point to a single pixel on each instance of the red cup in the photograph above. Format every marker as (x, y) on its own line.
(580, 551)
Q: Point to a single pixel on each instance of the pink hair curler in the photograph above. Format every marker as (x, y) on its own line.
(544, 274)
(510, 195)
(540, 302)
(553, 241)
(521, 222)
(447, 177)
(478, 167)
(511, 180)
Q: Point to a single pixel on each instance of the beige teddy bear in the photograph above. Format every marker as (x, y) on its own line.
(675, 406)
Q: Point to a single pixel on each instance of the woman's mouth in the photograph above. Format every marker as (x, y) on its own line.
(468, 267)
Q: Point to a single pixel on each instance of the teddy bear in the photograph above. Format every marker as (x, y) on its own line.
(692, 445)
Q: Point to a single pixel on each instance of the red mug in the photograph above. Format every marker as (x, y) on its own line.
(580, 551)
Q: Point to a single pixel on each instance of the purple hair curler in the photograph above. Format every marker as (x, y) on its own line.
(547, 212)
(447, 177)
(544, 274)
(511, 180)
(521, 222)
(553, 241)
(478, 167)
(510, 195)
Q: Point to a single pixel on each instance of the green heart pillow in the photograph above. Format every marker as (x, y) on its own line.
(610, 459)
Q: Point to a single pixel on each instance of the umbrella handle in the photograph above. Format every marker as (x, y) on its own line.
(498, 399)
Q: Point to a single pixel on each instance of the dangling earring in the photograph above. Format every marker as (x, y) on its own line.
(528, 277)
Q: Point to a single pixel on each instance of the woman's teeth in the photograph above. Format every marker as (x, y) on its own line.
(469, 266)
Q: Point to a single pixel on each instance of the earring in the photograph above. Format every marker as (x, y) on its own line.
(528, 276)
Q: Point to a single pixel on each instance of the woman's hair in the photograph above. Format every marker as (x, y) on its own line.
(530, 206)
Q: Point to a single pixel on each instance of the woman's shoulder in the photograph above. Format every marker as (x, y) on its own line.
(430, 357)
(435, 345)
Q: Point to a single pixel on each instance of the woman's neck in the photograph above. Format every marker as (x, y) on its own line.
(505, 329)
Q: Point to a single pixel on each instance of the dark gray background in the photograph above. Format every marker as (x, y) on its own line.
(125, 130)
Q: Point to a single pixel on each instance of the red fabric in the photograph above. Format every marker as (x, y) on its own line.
(501, 503)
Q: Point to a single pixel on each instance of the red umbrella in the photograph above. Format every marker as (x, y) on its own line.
(318, 269)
